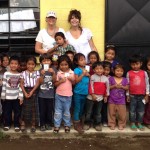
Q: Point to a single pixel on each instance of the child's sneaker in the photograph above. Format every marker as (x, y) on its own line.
(86, 127)
(140, 127)
(17, 129)
(98, 127)
(133, 127)
(6, 128)
(48, 127)
(105, 124)
(43, 128)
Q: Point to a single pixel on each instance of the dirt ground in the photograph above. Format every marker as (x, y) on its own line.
(85, 143)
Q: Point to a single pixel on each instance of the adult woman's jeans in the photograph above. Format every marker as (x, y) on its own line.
(62, 110)
(137, 107)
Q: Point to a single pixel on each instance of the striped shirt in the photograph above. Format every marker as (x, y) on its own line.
(11, 86)
(30, 79)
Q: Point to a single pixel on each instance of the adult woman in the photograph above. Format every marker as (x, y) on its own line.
(80, 38)
(45, 42)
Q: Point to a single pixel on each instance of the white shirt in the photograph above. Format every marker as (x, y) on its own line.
(81, 44)
(46, 40)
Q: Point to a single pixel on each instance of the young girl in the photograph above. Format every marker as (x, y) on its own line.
(93, 57)
(61, 45)
(107, 69)
(80, 90)
(63, 97)
(98, 92)
(116, 102)
(5, 61)
(110, 54)
(29, 84)
(146, 119)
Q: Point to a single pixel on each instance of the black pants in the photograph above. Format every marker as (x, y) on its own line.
(104, 113)
(46, 108)
(11, 105)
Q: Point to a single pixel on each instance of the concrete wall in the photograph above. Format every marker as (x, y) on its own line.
(92, 16)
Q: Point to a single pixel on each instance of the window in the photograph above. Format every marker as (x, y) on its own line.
(20, 23)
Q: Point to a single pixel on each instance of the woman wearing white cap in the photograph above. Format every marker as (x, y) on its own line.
(45, 42)
(80, 38)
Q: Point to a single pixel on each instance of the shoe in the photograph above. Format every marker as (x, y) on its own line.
(23, 129)
(148, 126)
(48, 127)
(140, 127)
(105, 124)
(43, 128)
(33, 130)
(86, 127)
(6, 128)
(56, 129)
(67, 129)
(17, 129)
(133, 127)
(78, 127)
(98, 127)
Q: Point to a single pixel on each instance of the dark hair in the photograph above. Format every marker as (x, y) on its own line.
(60, 34)
(77, 57)
(4, 55)
(64, 58)
(45, 56)
(110, 47)
(23, 59)
(107, 64)
(135, 58)
(98, 63)
(94, 53)
(118, 66)
(31, 58)
(77, 14)
(15, 58)
(70, 52)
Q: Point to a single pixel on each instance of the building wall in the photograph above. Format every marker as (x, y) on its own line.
(92, 16)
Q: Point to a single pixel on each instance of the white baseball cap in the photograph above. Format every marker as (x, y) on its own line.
(51, 14)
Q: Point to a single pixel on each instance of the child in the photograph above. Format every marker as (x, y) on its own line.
(63, 97)
(146, 119)
(110, 54)
(23, 64)
(12, 94)
(2, 71)
(55, 61)
(62, 45)
(5, 61)
(138, 92)
(80, 90)
(71, 54)
(29, 84)
(98, 91)
(116, 100)
(107, 69)
(93, 57)
(46, 92)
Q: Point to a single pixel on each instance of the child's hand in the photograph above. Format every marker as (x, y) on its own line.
(94, 97)
(70, 78)
(30, 94)
(128, 99)
(118, 86)
(42, 71)
(85, 73)
(105, 99)
(20, 101)
(51, 70)
(26, 95)
(62, 80)
(146, 98)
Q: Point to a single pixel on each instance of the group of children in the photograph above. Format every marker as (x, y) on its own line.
(67, 87)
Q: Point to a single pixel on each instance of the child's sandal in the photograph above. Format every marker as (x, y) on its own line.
(56, 129)
(23, 129)
(67, 129)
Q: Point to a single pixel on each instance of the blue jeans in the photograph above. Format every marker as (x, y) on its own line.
(79, 103)
(62, 110)
(137, 107)
(93, 109)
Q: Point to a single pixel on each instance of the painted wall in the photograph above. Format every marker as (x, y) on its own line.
(92, 16)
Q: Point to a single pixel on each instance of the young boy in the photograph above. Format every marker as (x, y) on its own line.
(98, 91)
(71, 54)
(12, 94)
(138, 92)
(46, 92)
